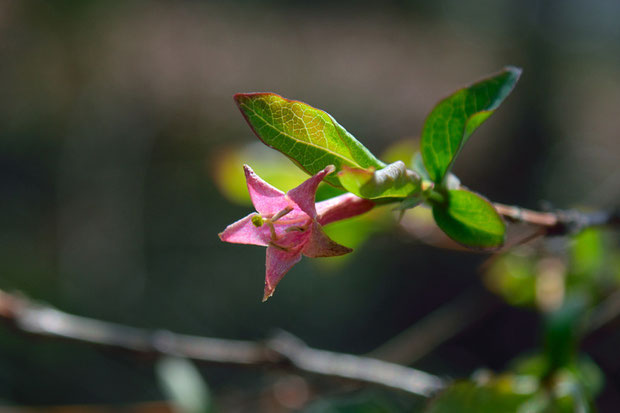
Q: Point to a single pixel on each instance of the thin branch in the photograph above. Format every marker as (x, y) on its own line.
(281, 351)
(561, 222)
(364, 369)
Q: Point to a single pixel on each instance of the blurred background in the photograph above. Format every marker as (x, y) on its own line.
(117, 129)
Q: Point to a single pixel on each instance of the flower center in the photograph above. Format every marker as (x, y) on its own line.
(290, 225)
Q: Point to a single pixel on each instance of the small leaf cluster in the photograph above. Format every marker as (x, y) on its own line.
(565, 287)
(313, 139)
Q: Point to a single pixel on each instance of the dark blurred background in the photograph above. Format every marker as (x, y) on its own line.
(113, 115)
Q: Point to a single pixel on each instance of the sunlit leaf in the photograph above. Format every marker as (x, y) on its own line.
(354, 232)
(402, 150)
(275, 168)
(470, 220)
(469, 397)
(393, 181)
(308, 136)
(513, 277)
(454, 119)
(230, 178)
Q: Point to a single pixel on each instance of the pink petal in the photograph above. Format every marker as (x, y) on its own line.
(320, 245)
(342, 207)
(279, 262)
(304, 194)
(266, 199)
(245, 232)
(293, 239)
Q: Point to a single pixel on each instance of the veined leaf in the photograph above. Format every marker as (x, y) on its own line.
(470, 220)
(308, 136)
(393, 181)
(454, 119)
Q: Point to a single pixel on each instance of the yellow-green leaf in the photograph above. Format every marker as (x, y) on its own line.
(393, 181)
(308, 136)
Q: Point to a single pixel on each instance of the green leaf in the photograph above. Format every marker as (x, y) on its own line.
(469, 219)
(588, 253)
(498, 396)
(454, 119)
(308, 136)
(511, 393)
(393, 181)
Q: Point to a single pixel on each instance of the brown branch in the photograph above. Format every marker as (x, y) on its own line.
(281, 351)
(562, 222)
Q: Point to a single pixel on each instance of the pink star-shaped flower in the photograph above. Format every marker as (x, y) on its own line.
(290, 225)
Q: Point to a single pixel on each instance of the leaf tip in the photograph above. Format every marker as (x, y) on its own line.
(514, 70)
(239, 97)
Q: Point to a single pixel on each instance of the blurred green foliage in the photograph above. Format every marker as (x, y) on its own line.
(535, 277)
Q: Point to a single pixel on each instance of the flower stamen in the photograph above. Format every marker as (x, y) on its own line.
(280, 247)
(272, 229)
(295, 228)
(281, 214)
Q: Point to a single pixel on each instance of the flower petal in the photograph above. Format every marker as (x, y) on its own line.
(342, 207)
(266, 199)
(245, 232)
(320, 245)
(278, 263)
(304, 194)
